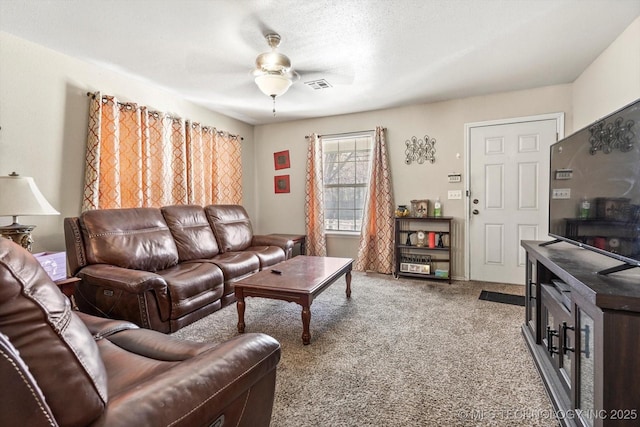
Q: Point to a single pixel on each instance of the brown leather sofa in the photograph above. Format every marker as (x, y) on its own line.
(163, 268)
(60, 367)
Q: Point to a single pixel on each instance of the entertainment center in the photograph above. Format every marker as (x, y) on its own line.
(582, 329)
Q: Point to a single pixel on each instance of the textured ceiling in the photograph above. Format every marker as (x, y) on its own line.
(375, 53)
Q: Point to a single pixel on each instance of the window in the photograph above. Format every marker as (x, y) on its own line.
(347, 161)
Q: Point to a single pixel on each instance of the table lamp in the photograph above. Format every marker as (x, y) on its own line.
(19, 196)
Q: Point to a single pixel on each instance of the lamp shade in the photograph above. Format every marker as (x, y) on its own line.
(273, 84)
(20, 196)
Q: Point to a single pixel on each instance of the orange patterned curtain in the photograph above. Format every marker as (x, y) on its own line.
(227, 169)
(200, 153)
(140, 158)
(375, 252)
(164, 163)
(314, 199)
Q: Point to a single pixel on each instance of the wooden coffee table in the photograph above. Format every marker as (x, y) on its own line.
(301, 279)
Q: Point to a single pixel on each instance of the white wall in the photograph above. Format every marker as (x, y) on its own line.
(443, 121)
(611, 81)
(43, 120)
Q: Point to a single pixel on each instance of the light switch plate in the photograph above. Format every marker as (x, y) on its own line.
(454, 194)
(561, 193)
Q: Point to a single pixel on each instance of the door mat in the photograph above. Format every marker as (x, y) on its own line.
(503, 298)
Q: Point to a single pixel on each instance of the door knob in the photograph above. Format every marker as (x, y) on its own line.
(475, 211)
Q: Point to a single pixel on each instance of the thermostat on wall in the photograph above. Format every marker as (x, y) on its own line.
(564, 173)
(455, 177)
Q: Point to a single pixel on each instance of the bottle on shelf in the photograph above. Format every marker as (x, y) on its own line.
(585, 207)
(437, 208)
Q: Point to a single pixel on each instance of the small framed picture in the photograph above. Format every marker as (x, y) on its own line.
(281, 160)
(281, 184)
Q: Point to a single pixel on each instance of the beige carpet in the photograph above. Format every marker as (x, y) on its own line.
(398, 353)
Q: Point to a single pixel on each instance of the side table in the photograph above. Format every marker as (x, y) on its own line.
(68, 286)
(298, 239)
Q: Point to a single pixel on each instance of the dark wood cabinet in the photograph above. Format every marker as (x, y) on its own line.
(558, 329)
(583, 330)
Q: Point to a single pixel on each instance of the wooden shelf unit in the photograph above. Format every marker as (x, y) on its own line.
(440, 257)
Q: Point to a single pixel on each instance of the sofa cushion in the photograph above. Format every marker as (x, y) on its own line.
(231, 226)
(56, 345)
(143, 232)
(191, 231)
(236, 265)
(192, 285)
(268, 255)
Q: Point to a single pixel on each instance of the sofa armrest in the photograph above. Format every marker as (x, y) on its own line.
(234, 380)
(131, 281)
(76, 255)
(134, 282)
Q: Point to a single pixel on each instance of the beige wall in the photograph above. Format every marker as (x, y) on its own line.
(443, 121)
(611, 81)
(43, 116)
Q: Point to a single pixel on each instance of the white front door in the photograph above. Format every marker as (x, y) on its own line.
(508, 195)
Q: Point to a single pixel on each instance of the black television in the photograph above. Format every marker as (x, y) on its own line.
(594, 187)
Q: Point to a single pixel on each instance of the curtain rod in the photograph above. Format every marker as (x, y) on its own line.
(220, 132)
(345, 133)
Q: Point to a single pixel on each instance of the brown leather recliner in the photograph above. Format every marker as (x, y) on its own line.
(62, 367)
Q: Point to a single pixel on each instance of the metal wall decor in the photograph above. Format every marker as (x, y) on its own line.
(420, 150)
(615, 135)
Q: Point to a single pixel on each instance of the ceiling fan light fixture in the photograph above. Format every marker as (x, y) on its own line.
(273, 61)
(273, 84)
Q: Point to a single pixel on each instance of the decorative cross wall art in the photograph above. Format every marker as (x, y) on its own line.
(607, 137)
(420, 150)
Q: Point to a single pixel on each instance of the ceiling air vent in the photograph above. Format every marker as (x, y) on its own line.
(318, 84)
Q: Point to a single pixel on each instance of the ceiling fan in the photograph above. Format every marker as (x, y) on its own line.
(273, 73)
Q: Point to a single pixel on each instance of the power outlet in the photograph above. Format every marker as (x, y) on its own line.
(454, 194)
(561, 193)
